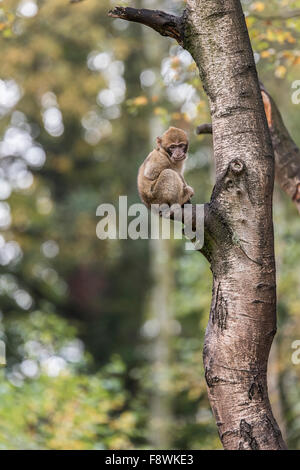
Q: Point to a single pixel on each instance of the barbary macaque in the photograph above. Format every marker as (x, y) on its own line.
(160, 177)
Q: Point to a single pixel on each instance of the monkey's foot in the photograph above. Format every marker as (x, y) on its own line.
(189, 193)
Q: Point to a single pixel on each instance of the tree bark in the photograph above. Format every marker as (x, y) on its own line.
(239, 241)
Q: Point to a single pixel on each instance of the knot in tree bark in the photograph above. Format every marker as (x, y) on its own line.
(237, 166)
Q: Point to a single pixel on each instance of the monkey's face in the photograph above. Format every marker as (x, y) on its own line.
(175, 142)
(177, 151)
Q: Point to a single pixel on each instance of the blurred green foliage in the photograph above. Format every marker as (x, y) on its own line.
(78, 93)
(49, 401)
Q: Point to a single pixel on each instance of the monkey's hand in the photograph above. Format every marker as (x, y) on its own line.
(190, 191)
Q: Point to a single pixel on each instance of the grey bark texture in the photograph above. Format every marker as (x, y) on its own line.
(239, 240)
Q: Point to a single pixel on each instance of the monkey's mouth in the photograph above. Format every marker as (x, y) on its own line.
(178, 158)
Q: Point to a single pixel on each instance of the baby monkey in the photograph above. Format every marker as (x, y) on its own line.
(160, 177)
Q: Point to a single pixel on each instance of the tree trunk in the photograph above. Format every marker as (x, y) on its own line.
(239, 241)
(242, 321)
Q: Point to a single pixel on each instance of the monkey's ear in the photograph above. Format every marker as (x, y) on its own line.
(159, 142)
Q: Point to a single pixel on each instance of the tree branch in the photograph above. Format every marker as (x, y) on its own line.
(164, 23)
(197, 224)
(204, 129)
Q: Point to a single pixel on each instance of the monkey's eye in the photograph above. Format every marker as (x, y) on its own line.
(183, 146)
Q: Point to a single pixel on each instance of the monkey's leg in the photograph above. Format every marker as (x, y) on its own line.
(169, 189)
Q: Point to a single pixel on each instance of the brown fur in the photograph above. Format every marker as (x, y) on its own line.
(160, 177)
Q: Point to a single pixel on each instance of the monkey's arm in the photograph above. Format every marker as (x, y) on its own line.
(151, 172)
(183, 180)
(154, 165)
